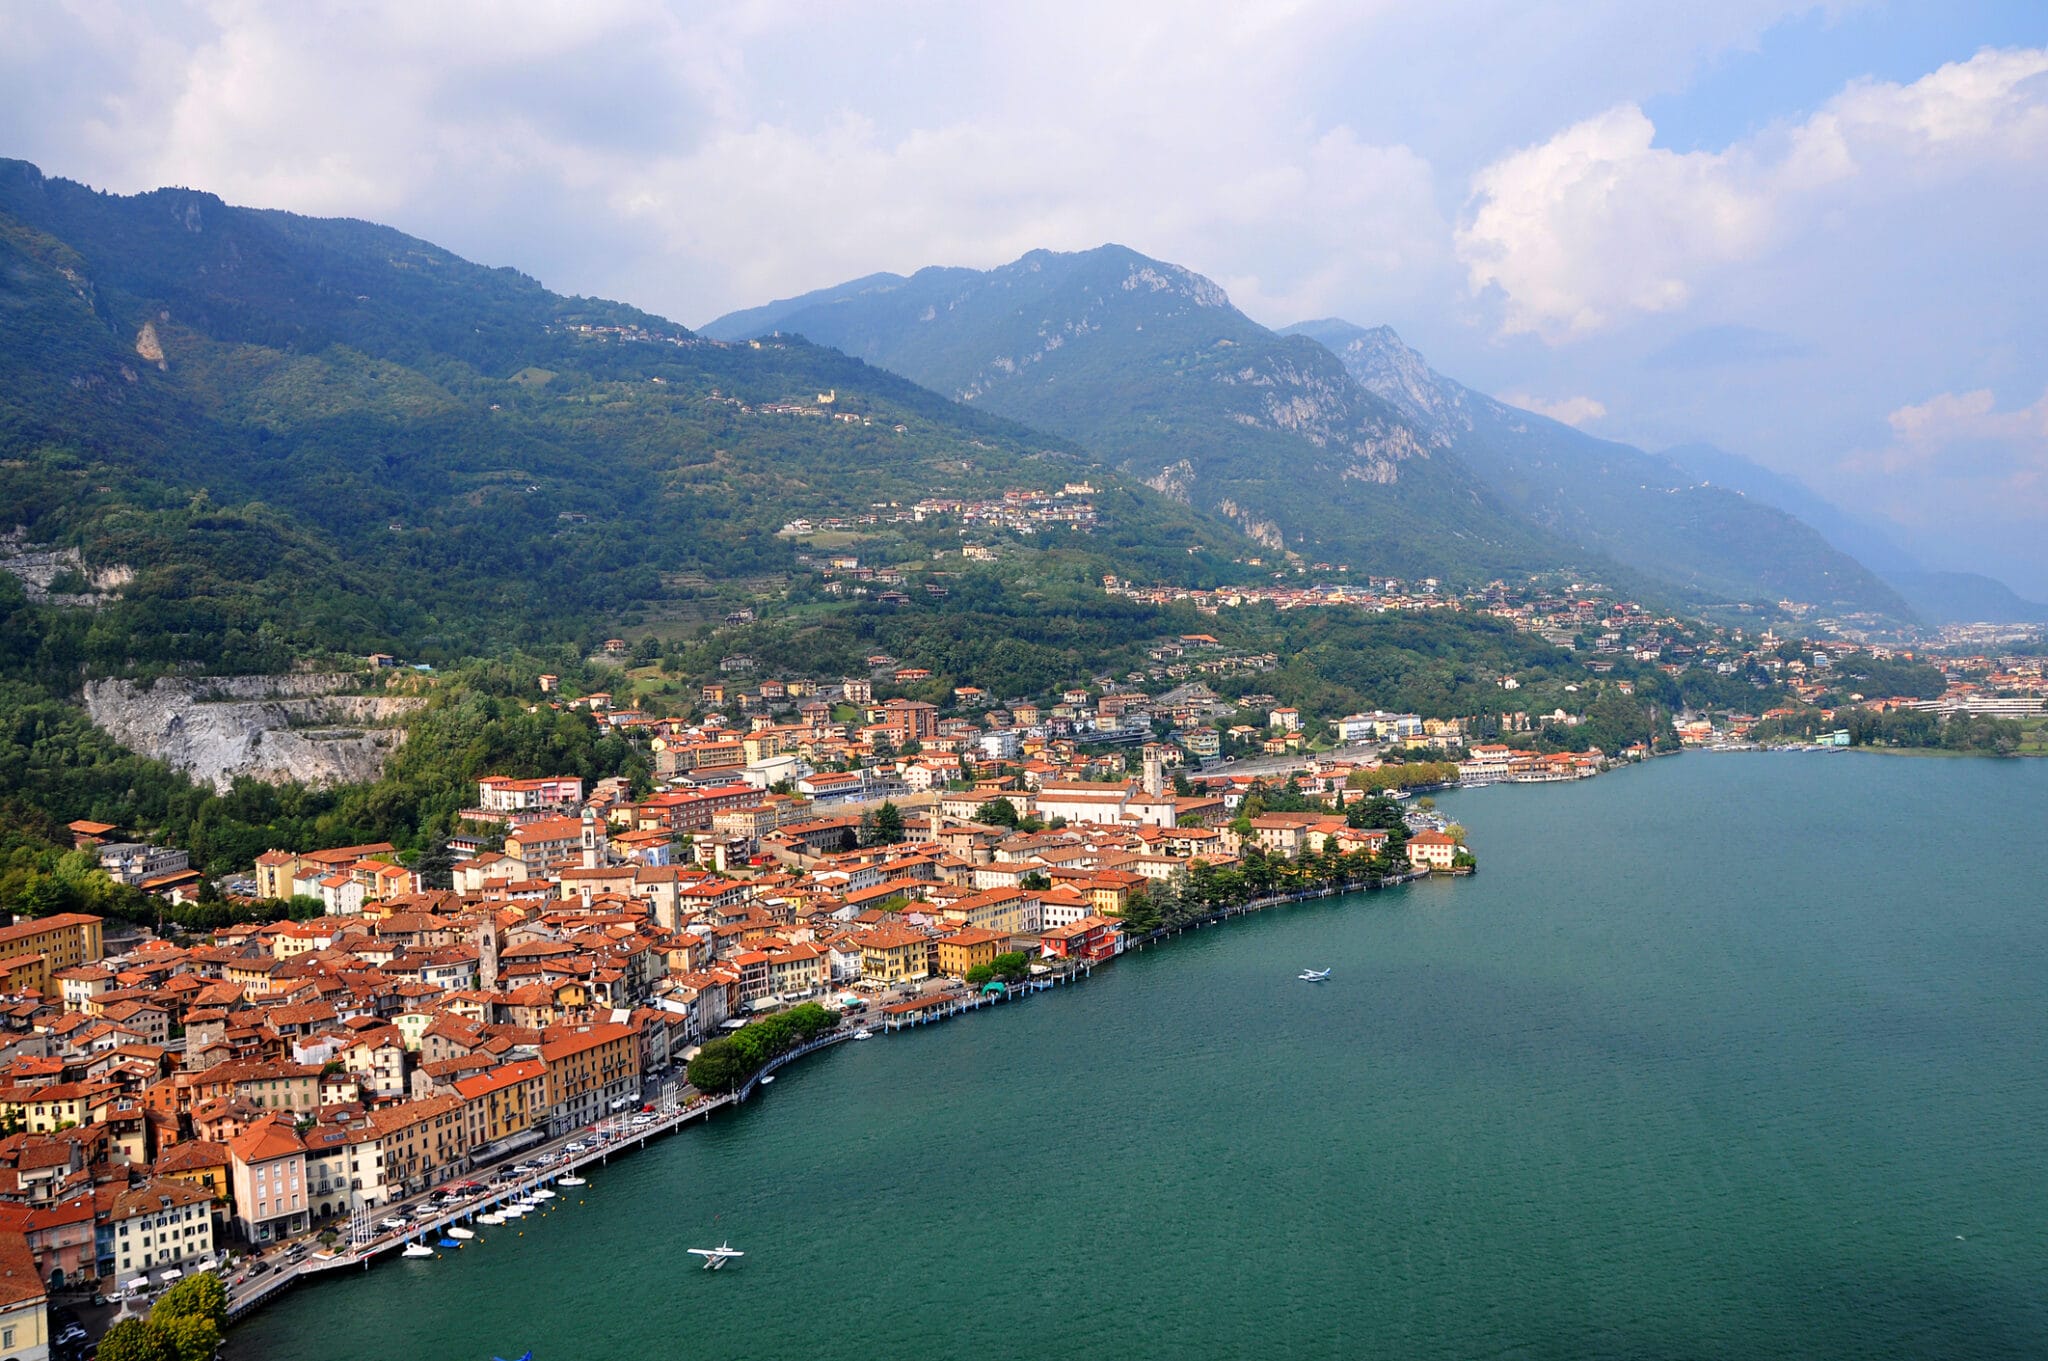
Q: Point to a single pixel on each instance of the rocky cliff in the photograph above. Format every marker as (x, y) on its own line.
(271, 728)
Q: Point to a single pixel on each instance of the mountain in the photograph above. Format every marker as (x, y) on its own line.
(1938, 597)
(292, 435)
(1641, 509)
(1149, 366)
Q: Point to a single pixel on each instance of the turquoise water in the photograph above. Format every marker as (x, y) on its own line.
(1726, 1056)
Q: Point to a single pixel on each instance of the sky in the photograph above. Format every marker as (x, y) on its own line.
(1808, 233)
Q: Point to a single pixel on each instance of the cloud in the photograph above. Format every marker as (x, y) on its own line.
(1598, 224)
(1571, 410)
(1963, 435)
(696, 157)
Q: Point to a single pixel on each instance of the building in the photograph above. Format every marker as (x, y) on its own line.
(895, 954)
(589, 1068)
(24, 1305)
(421, 1142)
(1091, 939)
(505, 1102)
(270, 1181)
(157, 1224)
(498, 794)
(1432, 850)
(969, 948)
(64, 941)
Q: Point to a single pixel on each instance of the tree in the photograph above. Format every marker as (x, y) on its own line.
(188, 1337)
(1011, 965)
(197, 1296)
(1034, 881)
(718, 1067)
(980, 974)
(888, 824)
(134, 1339)
(997, 813)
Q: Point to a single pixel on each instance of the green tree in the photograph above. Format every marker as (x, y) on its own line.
(997, 813)
(888, 824)
(1011, 965)
(980, 974)
(200, 1295)
(188, 1337)
(134, 1339)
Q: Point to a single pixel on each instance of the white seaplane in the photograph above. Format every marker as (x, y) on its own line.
(714, 1258)
(1312, 975)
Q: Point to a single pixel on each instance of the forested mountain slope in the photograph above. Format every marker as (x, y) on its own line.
(1148, 365)
(307, 434)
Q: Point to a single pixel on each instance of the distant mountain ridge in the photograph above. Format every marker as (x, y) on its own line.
(1642, 509)
(1149, 366)
(1938, 597)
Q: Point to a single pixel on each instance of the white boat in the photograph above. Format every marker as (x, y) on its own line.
(863, 1034)
(494, 1219)
(543, 1194)
(714, 1258)
(1312, 975)
(768, 1079)
(417, 1250)
(572, 1181)
(460, 1234)
(514, 1212)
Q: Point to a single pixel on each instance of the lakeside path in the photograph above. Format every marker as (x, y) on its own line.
(617, 1135)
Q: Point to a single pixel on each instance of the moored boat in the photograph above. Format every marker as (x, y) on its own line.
(417, 1250)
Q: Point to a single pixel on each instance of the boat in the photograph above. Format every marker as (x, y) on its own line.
(714, 1258)
(572, 1181)
(1312, 975)
(494, 1219)
(768, 1079)
(462, 1233)
(863, 1034)
(449, 1243)
(417, 1250)
(543, 1194)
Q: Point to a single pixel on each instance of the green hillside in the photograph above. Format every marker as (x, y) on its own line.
(1149, 365)
(326, 436)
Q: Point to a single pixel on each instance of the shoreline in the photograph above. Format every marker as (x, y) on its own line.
(281, 1282)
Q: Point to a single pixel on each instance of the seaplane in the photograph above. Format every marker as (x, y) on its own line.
(714, 1258)
(1312, 975)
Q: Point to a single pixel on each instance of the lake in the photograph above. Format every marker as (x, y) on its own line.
(1737, 1056)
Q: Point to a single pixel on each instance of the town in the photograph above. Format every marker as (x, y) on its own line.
(375, 1027)
(177, 1104)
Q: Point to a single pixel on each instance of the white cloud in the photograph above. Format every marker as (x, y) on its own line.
(1599, 224)
(1957, 460)
(1571, 410)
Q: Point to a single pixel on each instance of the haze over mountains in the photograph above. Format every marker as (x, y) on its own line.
(1399, 467)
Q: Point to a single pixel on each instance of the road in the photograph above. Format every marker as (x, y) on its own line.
(1277, 765)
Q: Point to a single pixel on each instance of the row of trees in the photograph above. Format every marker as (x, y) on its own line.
(728, 1061)
(1208, 890)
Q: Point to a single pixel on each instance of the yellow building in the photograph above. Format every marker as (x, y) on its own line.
(895, 954)
(64, 941)
(197, 1162)
(504, 1101)
(589, 1068)
(423, 1142)
(968, 948)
